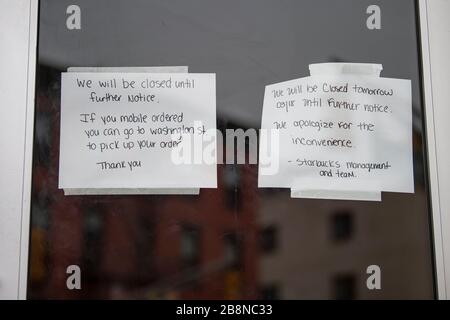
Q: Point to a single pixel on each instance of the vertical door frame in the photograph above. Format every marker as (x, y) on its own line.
(435, 45)
(18, 38)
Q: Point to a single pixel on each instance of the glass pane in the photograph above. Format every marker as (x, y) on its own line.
(236, 241)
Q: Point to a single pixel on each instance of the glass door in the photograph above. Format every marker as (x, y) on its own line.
(237, 241)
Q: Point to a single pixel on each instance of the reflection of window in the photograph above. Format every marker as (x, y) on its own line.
(190, 246)
(145, 241)
(270, 292)
(93, 226)
(233, 250)
(233, 285)
(232, 186)
(38, 254)
(344, 287)
(342, 226)
(269, 239)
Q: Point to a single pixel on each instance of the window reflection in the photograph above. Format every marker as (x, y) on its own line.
(341, 226)
(344, 287)
(190, 246)
(269, 239)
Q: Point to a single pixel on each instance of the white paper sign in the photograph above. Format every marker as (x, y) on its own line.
(341, 133)
(120, 130)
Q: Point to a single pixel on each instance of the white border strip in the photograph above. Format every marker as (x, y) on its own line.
(28, 151)
(435, 26)
(18, 25)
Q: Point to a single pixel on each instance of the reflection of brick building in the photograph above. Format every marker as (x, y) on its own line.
(138, 246)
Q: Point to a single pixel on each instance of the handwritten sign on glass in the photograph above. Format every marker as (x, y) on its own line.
(341, 132)
(121, 130)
